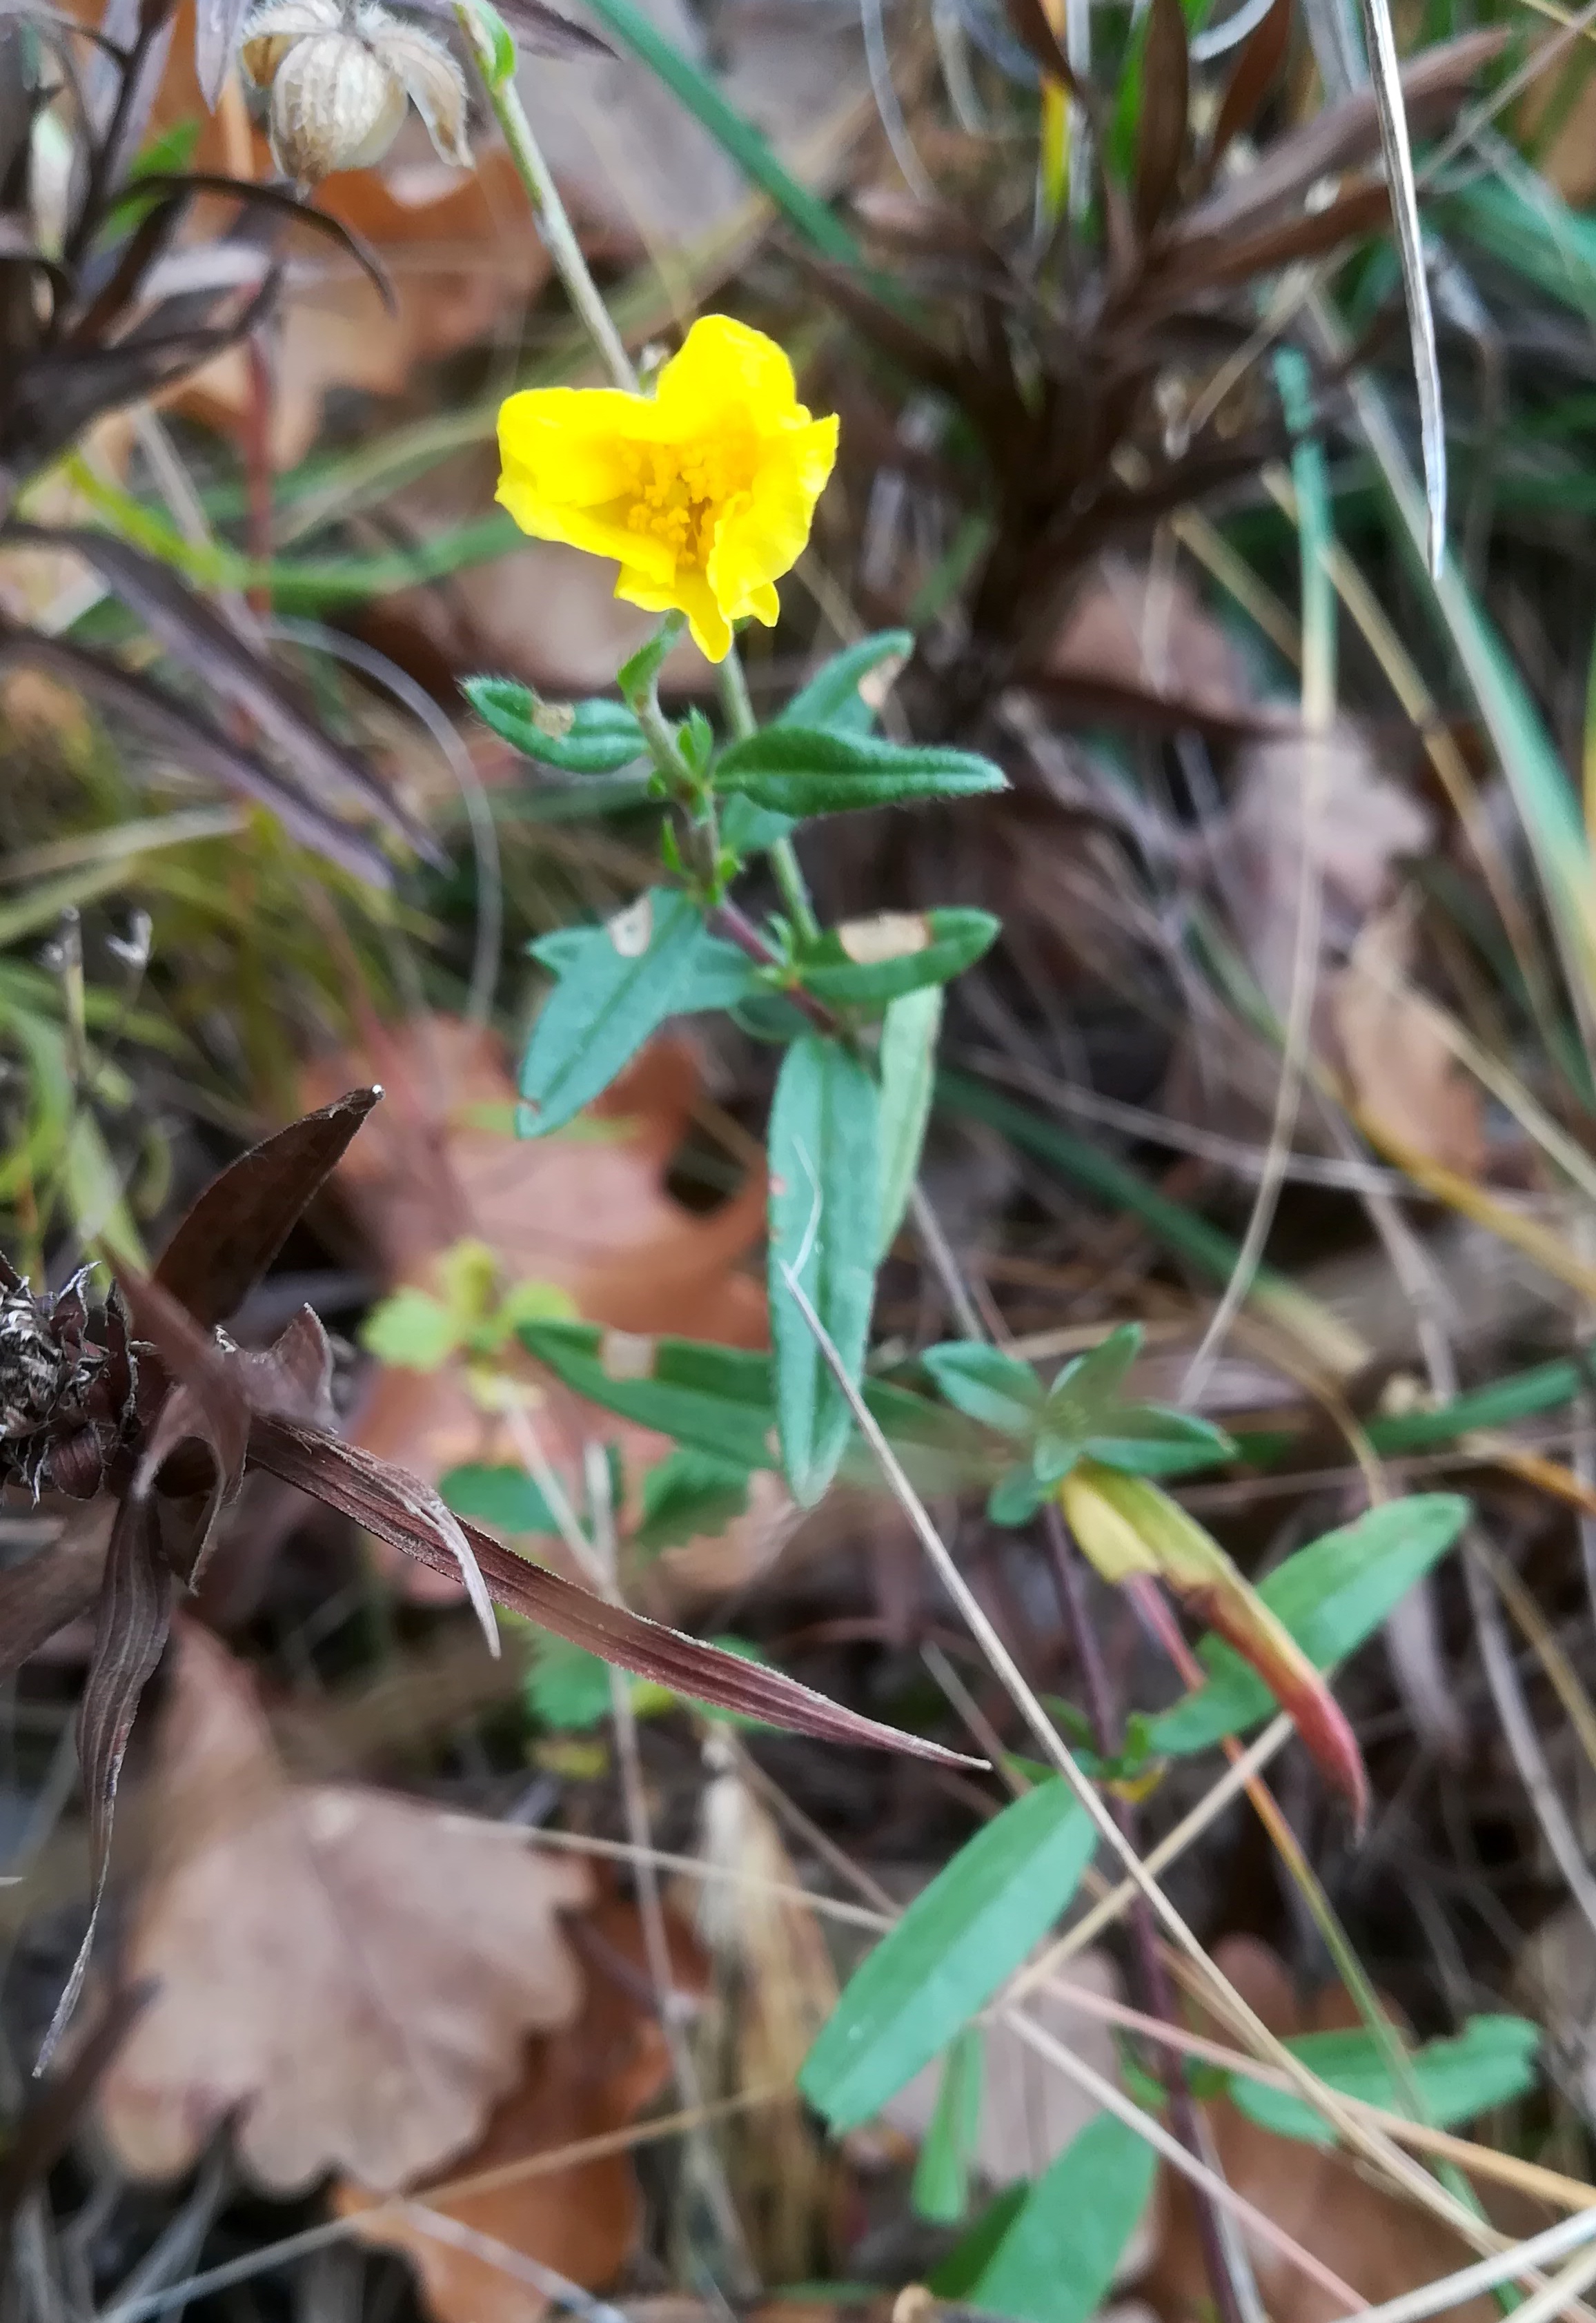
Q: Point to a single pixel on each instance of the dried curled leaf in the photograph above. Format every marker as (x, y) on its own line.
(347, 1974)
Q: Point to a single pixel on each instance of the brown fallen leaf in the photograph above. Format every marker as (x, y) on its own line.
(1403, 1074)
(1382, 2246)
(345, 1972)
(1355, 819)
(587, 1210)
(581, 2220)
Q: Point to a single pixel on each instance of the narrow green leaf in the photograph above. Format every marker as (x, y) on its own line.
(505, 1498)
(947, 943)
(941, 2187)
(907, 1060)
(1057, 2260)
(803, 770)
(1491, 2061)
(615, 989)
(1330, 1596)
(950, 1951)
(1148, 1439)
(689, 1494)
(579, 738)
(1088, 1386)
(997, 1390)
(960, 2271)
(824, 1219)
(718, 1399)
(834, 697)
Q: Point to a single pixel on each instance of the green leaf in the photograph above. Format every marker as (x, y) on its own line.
(1088, 1388)
(825, 1175)
(505, 1498)
(749, 829)
(960, 2271)
(1084, 1418)
(1015, 1497)
(578, 738)
(950, 1951)
(1330, 1596)
(720, 1400)
(941, 2187)
(944, 943)
(567, 1687)
(997, 1390)
(1057, 2260)
(689, 1494)
(1489, 2062)
(1149, 1439)
(716, 1400)
(907, 1062)
(412, 1330)
(833, 698)
(803, 770)
(614, 990)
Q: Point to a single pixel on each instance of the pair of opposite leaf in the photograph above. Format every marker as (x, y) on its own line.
(150, 1403)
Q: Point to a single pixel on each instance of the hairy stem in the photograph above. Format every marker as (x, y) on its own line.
(553, 225)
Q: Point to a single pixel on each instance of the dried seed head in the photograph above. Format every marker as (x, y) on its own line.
(33, 1366)
(340, 77)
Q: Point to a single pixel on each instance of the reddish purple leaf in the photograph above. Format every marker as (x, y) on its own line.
(381, 1498)
(135, 1615)
(223, 1247)
(1166, 75)
(56, 1586)
(205, 1405)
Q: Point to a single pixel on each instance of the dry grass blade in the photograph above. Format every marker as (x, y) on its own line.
(364, 1488)
(1397, 148)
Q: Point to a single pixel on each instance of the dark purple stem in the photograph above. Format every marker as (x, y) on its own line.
(726, 919)
(1155, 1993)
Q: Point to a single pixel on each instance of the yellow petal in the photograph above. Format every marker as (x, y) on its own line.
(689, 593)
(569, 444)
(726, 366)
(602, 532)
(763, 531)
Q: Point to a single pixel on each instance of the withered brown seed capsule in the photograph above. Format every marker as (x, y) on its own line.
(340, 77)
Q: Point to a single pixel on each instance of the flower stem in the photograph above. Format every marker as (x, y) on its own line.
(495, 58)
(783, 855)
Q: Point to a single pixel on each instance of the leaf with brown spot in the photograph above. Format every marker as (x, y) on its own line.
(223, 1247)
(347, 1973)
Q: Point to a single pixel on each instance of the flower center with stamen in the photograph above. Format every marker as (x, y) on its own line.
(680, 492)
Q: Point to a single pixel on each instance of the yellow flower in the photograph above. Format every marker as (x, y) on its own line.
(703, 493)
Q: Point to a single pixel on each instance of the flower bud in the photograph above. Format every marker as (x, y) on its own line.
(340, 77)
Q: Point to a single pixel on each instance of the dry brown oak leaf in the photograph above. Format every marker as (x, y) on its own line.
(347, 1975)
(581, 2218)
